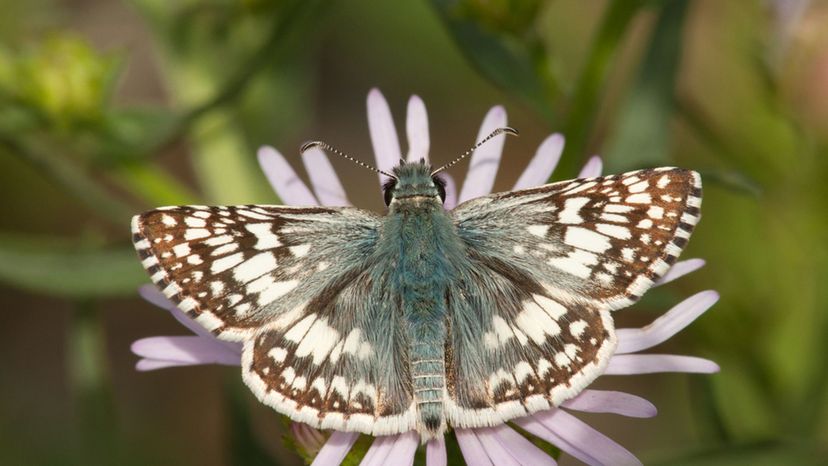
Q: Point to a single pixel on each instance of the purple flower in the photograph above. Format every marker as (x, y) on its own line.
(483, 446)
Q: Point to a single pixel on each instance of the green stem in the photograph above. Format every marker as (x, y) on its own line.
(89, 384)
(585, 100)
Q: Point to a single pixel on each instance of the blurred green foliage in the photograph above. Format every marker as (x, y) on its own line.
(91, 134)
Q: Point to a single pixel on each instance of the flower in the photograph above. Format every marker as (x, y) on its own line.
(480, 446)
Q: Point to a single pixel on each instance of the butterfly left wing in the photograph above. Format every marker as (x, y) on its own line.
(305, 291)
(547, 265)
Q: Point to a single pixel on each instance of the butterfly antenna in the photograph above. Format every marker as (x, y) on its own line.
(498, 131)
(338, 152)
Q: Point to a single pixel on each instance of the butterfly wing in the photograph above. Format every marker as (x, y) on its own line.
(305, 291)
(547, 265)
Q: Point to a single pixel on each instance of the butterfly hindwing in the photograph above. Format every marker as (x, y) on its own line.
(332, 368)
(547, 265)
(517, 350)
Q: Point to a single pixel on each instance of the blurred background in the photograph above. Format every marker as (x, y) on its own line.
(112, 107)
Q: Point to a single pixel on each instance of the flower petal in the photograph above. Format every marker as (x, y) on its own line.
(402, 452)
(436, 452)
(631, 340)
(486, 158)
(189, 350)
(416, 127)
(593, 167)
(575, 437)
(497, 453)
(628, 364)
(680, 269)
(603, 401)
(383, 134)
(144, 365)
(379, 450)
(323, 178)
(542, 165)
(284, 180)
(451, 191)
(472, 449)
(335, 449)
(151, 294)
(524, 451)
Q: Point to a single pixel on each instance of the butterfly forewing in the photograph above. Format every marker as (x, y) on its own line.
(604, 240)
(236, 268)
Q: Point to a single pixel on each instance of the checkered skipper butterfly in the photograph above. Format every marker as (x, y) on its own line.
(423, 318)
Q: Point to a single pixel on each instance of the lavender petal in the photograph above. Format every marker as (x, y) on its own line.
(673, 321)
(402, 452)
(190, 350)
(629, 364)
(416, 128)
(310, 439)
(335, 449)
(592, 168)
(145, 365)
(498, 454)
(378, 451)
(524, 451)
(436, 454)
(578, 439)
(542, 165)
(383, 134)
(486, 158)
(680, 269)
(472, 449)
(602, 401)
(323, 178)
(284, 180)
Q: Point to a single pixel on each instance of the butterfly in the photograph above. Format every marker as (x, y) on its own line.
(423, 319)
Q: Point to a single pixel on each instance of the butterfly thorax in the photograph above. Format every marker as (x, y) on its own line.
(424, 239)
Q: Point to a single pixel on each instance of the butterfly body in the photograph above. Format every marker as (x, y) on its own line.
(422, 237)
(423, 318)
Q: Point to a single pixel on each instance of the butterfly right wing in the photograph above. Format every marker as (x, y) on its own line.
(304, 290)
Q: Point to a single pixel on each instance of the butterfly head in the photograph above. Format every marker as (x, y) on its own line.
(414, 182)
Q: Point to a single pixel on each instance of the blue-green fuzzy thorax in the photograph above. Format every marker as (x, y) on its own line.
(421, 235)
(414, 179)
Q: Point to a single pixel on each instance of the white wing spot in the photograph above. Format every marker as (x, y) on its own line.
(572, 208)
(538, 230)
(586, 239)
(640, 198)
(614, 231)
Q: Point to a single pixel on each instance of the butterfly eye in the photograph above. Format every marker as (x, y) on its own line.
(388, 191)
(440, 184)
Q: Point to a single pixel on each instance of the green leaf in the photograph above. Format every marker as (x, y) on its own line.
(508, 63)
(642, 136)
(56, 267)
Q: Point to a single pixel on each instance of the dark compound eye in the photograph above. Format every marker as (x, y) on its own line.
(388, 191)
(440, 184)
